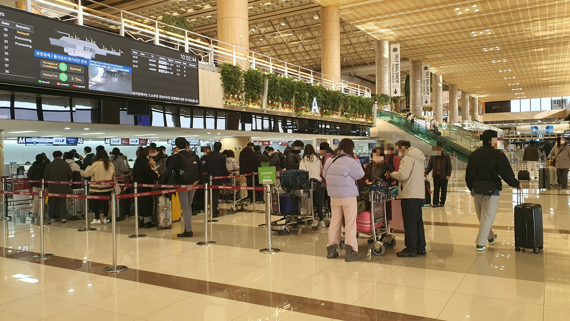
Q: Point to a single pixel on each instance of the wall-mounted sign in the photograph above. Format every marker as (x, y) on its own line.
(50, 141)
(315, 106)
(534, 130)
(128, 141)
(395, 70)
(549, 129)
(426, 85)
(262, 142)
(237, 148)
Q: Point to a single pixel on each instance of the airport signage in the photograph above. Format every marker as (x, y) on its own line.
(48, 53)
(262, 142)
(50, 141)
(426, 85)
(127, 141)
(395, 85)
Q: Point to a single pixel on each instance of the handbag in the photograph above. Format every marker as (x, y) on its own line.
(484, 187)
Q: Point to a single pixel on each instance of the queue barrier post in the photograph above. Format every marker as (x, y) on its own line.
(212, 209)
(87, 228)
(4, 205)
(206, 242)
(114, 268)
(254, 191)
(269, 249)
(136, 235)
(42, 256)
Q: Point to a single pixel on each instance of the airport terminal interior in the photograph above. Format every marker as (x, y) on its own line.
(224, 120)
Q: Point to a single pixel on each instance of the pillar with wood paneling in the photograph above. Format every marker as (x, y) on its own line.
(233, 27)
(330, 42)
(382, 67)
(453, 116)
(465, 113)
(474, 108)
(437, 82)
(416, 107)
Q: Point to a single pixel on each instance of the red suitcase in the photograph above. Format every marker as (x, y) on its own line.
(364, 222)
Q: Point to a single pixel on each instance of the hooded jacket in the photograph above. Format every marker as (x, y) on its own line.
(36, 173)
(232, 165)
(562, 157)
(120, 163)
(314, 167)
(531, 154)
(341, 175)
(98, 173)
(488, 164)
(410, 175)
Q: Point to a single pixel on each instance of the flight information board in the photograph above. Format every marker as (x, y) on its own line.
(43, 52)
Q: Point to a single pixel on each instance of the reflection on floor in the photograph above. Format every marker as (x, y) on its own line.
(453, 282)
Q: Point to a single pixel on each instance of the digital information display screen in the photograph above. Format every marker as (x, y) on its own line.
(44, 52)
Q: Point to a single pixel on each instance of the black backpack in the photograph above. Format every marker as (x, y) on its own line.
(282, 161)
(189, 171)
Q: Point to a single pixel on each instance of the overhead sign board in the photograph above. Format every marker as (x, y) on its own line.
(50, 141)
(395, 84)
(426, 85)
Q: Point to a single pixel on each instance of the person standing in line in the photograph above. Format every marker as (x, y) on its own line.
(36, 173)
(560, 155)
(531, 158)
(440, 163)
(58, 170)
(231, 163)
(88, 157)
(293, 159)
(119, 161)
(312, 163)
(187, 170)
(266, 151)
(263, 157)
(216, 166)
(143, 173)
(342, 170)
(411, 190)
(392, 157)
(249, 163)
(274, 159)
(485, 169)
(100, 170)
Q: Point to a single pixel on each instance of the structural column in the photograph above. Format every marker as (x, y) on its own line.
(453, 108)
(437, 84)
(416, 88)
(330, 46)
(233, 27)
(474, 108)
(1, 154)
(465, 114)
(382, 67)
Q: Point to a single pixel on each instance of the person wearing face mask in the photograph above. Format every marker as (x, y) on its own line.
(312, 163)
(485, 169)
(143, 173)
(378, 168)
(560, 156)
(440, 163)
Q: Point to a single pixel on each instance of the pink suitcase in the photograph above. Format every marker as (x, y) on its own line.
(363, 222)
(397, 223)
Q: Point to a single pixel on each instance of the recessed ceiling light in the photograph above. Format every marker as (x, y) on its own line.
(261, 39)
(209, 133)
(474, 6)
(456, 8)
(219, 133)
(146, 135)
(460, 12)
(23, 132)
(476, 10)
(85, 128)
(66, 128)
(316, 17)
(282, 23)
(467, 9)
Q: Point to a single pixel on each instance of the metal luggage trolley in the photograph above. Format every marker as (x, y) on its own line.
(304, 214)
(380, 238)
(239, 204)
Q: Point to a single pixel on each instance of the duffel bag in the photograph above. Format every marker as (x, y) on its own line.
(295, 179)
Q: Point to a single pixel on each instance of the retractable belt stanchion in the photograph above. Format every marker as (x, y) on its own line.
(87, 228)
(115, 268)
(269, 249)
(42, 255)
(4, 205)
(212, 209)
(267, 220)
(206, 242)
(136, 235)
(254, 192)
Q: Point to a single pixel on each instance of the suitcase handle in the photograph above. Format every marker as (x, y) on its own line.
(520, 198)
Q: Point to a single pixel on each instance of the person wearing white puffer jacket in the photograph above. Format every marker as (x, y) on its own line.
(312, 163)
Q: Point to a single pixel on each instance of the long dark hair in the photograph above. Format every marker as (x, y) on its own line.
(102, 156)
(310, 152)
(143, 152)
(346, 145)
(326, 147)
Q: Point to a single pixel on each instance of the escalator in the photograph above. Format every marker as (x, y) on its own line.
(456, 141)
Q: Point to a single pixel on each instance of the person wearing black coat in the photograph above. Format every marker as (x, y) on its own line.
(58, 170)
(36, 173)
(216, 166)
(249, 163)
(440, 164)
(87, 159)
(143, 174)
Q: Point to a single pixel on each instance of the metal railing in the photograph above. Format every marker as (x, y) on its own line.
(210, 51)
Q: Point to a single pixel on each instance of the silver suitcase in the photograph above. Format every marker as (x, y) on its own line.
(164, 213)
(75, 206)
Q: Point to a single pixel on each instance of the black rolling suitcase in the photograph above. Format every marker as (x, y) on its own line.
(427, 201)
(528, 226)
(544, 178)
(524, 175)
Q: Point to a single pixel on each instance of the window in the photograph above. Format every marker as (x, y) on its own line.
(25, 107)
(157, 116)
(56, 108)
(85, 110)
(185, 117)
(557, 103)
(210, 119)
(535, 104)
(5, 105)
(525, 105)
(221, 120)
(198, 120)
(515, 106)
(566, 102)
(545, 103)
(172, 116)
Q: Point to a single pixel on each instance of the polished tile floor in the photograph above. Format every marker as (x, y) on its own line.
(173, 279)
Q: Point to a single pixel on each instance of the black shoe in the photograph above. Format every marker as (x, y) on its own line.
(120, 219)
(216, 215)
(141, 224)
(186, 234)
(435, 205)
(422, 252)
(405, 253)
(149, 225)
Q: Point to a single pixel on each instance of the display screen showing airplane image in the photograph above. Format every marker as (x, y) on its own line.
(48, 53)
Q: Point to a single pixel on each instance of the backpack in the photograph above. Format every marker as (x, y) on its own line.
(282, 161)
(295, 179)
(189, 171)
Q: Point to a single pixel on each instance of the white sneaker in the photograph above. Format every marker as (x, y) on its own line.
(95, 221)
(104, 221)
(322, 224)
(315, 223)
(63, 221)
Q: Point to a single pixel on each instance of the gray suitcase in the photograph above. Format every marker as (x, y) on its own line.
(544, 178)
(75, 206)
(164, 213)
(306, 205)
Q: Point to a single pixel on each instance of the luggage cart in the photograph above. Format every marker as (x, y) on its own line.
(381, 238)
(239, 203)
(303, 211)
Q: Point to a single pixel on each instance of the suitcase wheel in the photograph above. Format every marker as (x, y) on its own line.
(170, 227)
(518, 249)
(536, 250)
(379, 251)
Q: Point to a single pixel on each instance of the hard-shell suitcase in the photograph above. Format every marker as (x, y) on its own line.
(164, 213)
(176, 208)
(528, 227)
(364, 222)
(397, 223)
(288, 204)
(553, 176)
(75, 206)
(543, 178)
(427, 200)
(523, 175)
(306, 205)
